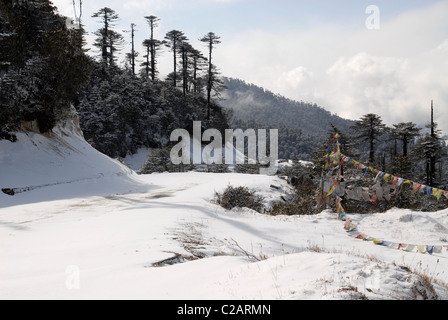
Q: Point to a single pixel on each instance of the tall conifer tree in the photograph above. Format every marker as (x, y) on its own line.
(368, 129)
(210, 39)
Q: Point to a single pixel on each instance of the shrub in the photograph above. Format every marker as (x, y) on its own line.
(240, 197)
(248, 168)
(302, 202)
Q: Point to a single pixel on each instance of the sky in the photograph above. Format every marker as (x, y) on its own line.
(351, 57)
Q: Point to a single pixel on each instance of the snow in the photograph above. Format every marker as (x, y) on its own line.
(137, 160)
(91, 228)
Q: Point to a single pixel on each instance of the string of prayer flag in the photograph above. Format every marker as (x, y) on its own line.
(336, 159)
(352, 230)
(398, 181)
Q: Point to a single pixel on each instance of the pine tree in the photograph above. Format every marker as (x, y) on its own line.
(152, 47)
(406, 133)
(186, 51)
(368, 129)
(133, 54)
(213, 82)
(430, 150)
(108, 40)
(198, 63)
(174, 40)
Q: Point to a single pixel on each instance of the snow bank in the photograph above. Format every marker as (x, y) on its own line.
(49, 164)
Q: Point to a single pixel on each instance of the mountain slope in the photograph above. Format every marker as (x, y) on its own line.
(251, 102)
(302, 126)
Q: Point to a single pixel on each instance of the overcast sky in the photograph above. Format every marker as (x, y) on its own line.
(347, 57)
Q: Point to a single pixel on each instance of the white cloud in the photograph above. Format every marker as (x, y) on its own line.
(397, 89)
(297, 76)
(364, 83)
(394, 71)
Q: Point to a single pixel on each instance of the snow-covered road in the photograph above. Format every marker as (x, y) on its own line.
(90, 228)
(170, 241)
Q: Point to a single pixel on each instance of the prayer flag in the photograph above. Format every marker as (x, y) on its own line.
(393, 245)
(331, 191)
(438, 249)
(416, 186)
(335, 181)
(347, 224)
(423, 189)
(409, 248)
(342, 216)
(421, 249)
(435, 191)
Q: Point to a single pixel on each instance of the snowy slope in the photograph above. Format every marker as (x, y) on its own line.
(44, 163)
(96, 230)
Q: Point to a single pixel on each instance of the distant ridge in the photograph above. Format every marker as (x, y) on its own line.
(302, 126)
(251, 102)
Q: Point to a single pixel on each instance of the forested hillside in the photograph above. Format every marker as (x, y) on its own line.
(45, 71)
(302, 126)
(250, 102)
(42, 66)
(120, 113)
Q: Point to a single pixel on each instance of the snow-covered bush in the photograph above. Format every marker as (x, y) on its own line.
(218, 168)
(242, 197)
(302, 201)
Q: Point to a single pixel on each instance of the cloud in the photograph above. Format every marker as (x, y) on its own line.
(297, 76)
(369, 84)
(394, 72)
(398, 89)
